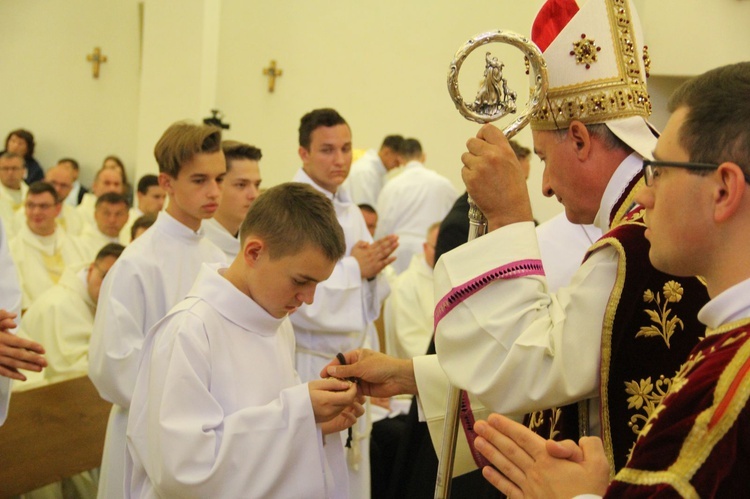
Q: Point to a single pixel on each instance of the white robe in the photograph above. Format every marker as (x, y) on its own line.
(409, 310)
(366, 179)
(91, 241)
(10, 300)
(515, 345)
(86, 208)
(408, 205)
(133, 215)
(218, 409)
(153, 273)
(16, 198)
(30, 251)
(341, 319)
(62, 319)
(221, 237)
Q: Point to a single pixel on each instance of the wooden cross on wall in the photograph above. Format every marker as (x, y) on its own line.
(272, 72)
(97, 59)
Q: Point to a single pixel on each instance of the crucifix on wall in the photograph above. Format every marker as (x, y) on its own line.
(272, 72)
(97, 59)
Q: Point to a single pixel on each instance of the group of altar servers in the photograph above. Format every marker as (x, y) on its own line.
(223, 369)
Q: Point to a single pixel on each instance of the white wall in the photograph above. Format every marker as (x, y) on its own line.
(46, 82)
(382, 64)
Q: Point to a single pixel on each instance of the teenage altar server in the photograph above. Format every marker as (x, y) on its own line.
(153, 273)
(218, 409)
(348, 302)
(240, 187)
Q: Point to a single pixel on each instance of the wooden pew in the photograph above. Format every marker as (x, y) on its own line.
(52, 432)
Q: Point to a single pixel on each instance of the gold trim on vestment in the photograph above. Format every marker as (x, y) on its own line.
(701, 440)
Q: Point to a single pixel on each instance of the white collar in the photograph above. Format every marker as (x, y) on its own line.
(616, 187)
(729, 306)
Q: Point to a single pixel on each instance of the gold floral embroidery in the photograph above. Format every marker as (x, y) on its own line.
(664, 326)
(536, 420)
(645, 396)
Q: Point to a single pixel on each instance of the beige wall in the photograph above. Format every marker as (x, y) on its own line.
(383, 65)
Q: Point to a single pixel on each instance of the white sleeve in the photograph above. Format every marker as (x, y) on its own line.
(189, 446)
(514, 345)
(117, 338)
(10, 300)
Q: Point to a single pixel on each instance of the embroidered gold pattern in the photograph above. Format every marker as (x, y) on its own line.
(646, 61)
(620, 96)
(536, 420)
(585, 51)
(645, 396)
(664, 326)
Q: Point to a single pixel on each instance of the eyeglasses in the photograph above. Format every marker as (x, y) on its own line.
(649, 167)
(6, 169)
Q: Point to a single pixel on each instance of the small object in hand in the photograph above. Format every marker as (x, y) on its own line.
(342, 361)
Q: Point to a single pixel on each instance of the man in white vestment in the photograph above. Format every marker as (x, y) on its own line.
(348, 302)
(151, 198)
(368, 174)
(15, 353)
(107, 179)
(409, 309)
(61, 177)
(110, 214)
(153, 273)
(12, 189)
(500, 333)
(411, 202)
(62, 318)
(218, 409)
(240, 187)
(40, 250)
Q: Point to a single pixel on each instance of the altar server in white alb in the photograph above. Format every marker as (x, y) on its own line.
(348, 302)
(411, 202)
(218, 409)
(154, 273)
(239, 189)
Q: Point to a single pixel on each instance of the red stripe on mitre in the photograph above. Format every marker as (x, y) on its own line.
(551, 19)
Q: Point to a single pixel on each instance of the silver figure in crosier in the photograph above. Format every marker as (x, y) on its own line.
(493, 101)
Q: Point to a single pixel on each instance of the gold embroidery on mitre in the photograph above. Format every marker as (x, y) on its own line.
(620, 95)
(664, 325)
(584, 50)
(646, 61)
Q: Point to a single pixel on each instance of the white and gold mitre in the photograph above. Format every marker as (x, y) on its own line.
(597, 66)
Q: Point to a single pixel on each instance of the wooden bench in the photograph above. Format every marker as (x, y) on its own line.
(52, 432)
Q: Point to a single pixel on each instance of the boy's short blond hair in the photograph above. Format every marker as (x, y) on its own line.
(181, 142)
(289, 217)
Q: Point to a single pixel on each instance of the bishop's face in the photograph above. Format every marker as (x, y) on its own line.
(329, 156)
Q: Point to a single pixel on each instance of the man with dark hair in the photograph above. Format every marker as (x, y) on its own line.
(240, 187)
(697, 210)
(411, 202)
(141, 225)
(161, 265)
(111, 215)
(348, 302)
(62, 179)
(40, 249)
(368, 174)
(370, 216)
(107, 179)
(151, 196)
